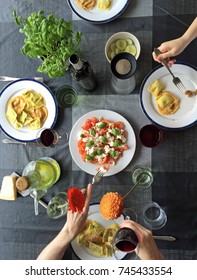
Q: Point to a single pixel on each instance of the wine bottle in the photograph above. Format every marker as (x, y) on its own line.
(82, 72)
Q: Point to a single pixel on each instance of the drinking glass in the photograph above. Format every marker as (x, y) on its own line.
(66, 96)
(49, 137)
(154, 216)
(150, 135)
(143, 175)
(129, 214)
(58, 206)
(125, 240)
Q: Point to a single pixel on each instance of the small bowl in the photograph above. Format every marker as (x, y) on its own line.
(122, 35)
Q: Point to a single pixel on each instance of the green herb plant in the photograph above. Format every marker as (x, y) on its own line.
(50, 39)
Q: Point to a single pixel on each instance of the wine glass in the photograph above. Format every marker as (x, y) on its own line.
(125, 241)
(49, 137)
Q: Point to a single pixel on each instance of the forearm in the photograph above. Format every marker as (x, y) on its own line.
(191, 32)
(56, 248)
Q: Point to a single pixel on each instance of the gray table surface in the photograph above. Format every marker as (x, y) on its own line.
(173, 163)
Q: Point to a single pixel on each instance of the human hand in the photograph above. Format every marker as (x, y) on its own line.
(76, 221)
(147, 248)
(170, 49)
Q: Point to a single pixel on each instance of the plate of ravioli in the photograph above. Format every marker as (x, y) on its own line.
(163, 103)
(24, 107)
(94, 242)
(98, 11)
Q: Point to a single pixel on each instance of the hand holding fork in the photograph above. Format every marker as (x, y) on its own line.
(175, 80)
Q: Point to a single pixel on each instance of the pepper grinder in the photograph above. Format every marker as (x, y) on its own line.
(123, 67)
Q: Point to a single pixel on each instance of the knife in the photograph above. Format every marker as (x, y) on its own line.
(10, 141)
(164, 237)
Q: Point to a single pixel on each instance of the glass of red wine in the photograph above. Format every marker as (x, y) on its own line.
(49, 137)
(150, 135)
(125, 240)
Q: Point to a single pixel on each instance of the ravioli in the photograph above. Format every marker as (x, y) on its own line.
(167, 103)
(97, 239)
(104, 4)
(156, 88)
(27, 109)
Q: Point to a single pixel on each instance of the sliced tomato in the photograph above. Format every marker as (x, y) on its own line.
(95, 160)
(102, 131)
(87, 125)
(81, 146)
(104, 160)
(119, 125)
(95, 120)
(124, 147)
(83, 155)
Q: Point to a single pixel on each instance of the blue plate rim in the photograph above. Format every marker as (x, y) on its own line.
(50, 91)
(142, 106)
(101, 21)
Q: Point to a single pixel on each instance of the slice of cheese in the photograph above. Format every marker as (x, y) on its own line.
(8, 188)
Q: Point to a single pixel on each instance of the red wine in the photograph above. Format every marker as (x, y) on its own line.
(150, 135)
(47, 137)
(125, 246)
(125, 240)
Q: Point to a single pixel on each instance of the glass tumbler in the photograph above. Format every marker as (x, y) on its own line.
(58, 206)
(66, 96)
(154, 216)
(142, 174)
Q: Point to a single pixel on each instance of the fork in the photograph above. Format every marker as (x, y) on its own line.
(97, 177)
(9, 79)
(175, 80)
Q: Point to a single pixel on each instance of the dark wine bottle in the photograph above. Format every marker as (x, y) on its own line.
(82, 72)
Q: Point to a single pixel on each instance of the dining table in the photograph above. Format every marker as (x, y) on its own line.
(173, 162)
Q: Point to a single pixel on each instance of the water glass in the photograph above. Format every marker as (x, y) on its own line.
(66, 96)
(57, 206)
(154, 216)
(142, 174)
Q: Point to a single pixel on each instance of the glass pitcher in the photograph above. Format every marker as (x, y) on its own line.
(42, 173)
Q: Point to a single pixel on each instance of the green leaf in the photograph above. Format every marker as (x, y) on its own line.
(50, 39)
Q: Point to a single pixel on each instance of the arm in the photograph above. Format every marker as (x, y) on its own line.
(56, 248)
(147, 248)
(176, 46)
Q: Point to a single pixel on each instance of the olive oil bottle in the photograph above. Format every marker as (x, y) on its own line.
(82, 72)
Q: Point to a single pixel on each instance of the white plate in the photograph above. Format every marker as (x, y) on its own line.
(99, 16)
(17, 88)
(82, 251)
(186, 115)
(90, 167)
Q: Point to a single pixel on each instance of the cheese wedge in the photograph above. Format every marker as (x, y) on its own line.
(8, 188)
